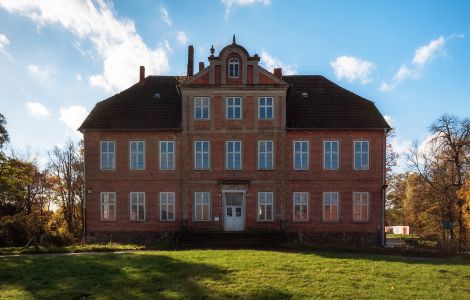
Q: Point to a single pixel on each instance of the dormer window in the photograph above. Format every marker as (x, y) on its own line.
(233, 68)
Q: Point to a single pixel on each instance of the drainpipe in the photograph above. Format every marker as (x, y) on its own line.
(384, 187)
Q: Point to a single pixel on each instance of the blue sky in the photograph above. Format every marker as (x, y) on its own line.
(58, 58)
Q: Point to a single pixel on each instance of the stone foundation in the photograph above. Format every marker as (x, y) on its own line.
(346, 239)
(133, 237)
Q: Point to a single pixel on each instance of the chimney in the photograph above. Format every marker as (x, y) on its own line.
(278, 73)
(190, 60)
(142, 75)
(201, 66)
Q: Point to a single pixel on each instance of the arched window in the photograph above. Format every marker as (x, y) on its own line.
(233, 68)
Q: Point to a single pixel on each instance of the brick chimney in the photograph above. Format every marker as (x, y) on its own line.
(201, 66)
(278, 73)
(190, 60)
(142, 75)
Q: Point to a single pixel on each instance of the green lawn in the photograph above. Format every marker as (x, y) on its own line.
(233, 273)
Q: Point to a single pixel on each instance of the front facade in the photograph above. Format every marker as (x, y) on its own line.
(235, 147)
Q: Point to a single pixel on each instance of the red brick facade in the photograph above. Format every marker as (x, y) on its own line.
(282, 180)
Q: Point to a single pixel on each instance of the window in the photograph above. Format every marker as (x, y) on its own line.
(361, 155)
(167, 155)
(234, 155)
(108, 206)
(300, 206)
(265, 155)
(202, 155)
(265, 206)
(137, 155)
(300, 155)
(202, 202)
(330, 207)
(361, 207)
(265, 107)
(167, 206)
(201, 108)
(331, 155)
(108, 154)
(233, 68)
(137, 206)
(234, 107)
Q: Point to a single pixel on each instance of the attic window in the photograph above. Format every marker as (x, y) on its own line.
(233, 68)
(156, 96)
(304, 95)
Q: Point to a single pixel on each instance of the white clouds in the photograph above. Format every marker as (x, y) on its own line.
(3, 43)
(389, 120)
(73, 116)
(229, 4)
(270, 63)
(78, 76)
(41, 73)
(422, 57)
(165, 16)
(181, 37)
(352, 69)
(116, 41)
(36, 109)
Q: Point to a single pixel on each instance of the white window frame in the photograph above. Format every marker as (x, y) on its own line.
(130, 155)
(234, 153)
(294, 152)
(138, 206)
(202, 106)
(330, 153)
(361, 203)
(234, 107)
(265, 204)
(199, 196)
(330, 204)
(108, 154)
(361, 153)
(294, 199)
(102, 194)
(201, 154)
(266, 154)
(167, 154)
(265, 107)
(166, 196)
(236, 63)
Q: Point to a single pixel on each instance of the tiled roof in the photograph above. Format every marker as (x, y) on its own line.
(328, 106)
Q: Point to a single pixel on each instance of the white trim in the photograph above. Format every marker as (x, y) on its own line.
(265, 204)
(195, 106)
(227, 152)
(227, 107)
(209, 209)
(293, 206)
(293, 155)
(101, 153)
(331, 155)
(160, 155)
(224, 209)
(266, 106)
(354, 154)
(202, 153)
(130, 155)
(238, 67)
(266, 153)
(361, 204)
(101, 206)
(137, 212)
(167, 203)
(337, 207)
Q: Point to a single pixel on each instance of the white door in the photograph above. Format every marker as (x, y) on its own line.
(234, 213)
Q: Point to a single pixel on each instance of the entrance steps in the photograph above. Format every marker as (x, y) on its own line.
(232, 240)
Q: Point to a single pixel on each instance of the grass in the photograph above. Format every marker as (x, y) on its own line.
(69, 249)
(250, 274)
(396, 236)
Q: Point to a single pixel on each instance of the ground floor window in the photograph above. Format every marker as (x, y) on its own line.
(265, 206)
(137, 200)
(108, 206)
(300, 206)
(330, 206)
(167, 206)
(202, 206)
(361, 207)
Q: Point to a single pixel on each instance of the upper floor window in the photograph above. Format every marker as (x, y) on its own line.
(201, 155)
(265, 155)
(300, 155)
(108, 206)
(330, 206)
(201, 108)
(233, 68)
(300, 206)
(108, 155)
(265, 206)
(361, 207)
(265, 107)
(331, 155)
(167, 155)
(202, 205)
(234, 107)
(167, 206)
(137, 155)
(234, 155)
(361, 155)
(137, 200)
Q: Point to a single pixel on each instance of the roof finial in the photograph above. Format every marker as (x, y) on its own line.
(234, 42)
(212, 50)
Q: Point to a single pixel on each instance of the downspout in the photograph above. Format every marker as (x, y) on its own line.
(384, 186)
(85, 192)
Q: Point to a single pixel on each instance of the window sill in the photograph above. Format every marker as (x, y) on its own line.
(140, 221)
(107, 170)
(360, 222)
(266, 222)
(108, 221)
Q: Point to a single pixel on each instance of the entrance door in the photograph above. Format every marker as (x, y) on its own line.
(234, 213)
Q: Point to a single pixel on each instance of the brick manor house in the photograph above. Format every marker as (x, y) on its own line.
(235, 147)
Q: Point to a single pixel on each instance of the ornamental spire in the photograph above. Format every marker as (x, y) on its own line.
(234, 42)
